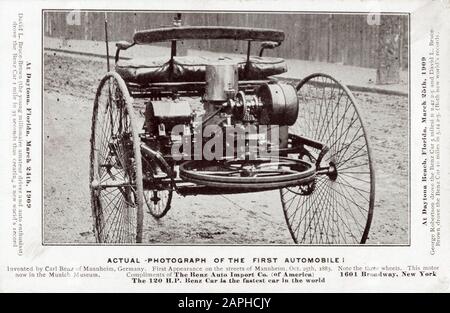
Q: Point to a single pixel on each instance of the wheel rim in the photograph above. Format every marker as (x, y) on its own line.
(340, 209)
(262, 173)
(157, 200)
(116, 174)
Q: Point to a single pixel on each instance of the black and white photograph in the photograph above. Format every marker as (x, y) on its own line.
(225, 128)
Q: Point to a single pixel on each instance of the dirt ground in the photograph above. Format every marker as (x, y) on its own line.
(69, 90)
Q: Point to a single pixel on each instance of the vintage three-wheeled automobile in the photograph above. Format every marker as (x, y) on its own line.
(219, 124)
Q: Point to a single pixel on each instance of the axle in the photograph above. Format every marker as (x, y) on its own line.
(330, 171)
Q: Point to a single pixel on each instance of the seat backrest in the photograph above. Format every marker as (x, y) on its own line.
(207, 32)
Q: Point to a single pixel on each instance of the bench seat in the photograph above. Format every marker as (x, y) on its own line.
(192, 68)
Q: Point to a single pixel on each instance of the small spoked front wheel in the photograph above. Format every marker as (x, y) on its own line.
(157, 196)
(115, 165)
(339, 207)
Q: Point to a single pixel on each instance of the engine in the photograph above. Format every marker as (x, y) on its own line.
(224, 104)
(268, 104)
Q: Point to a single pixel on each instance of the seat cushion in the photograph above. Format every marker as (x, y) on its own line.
(192, 68)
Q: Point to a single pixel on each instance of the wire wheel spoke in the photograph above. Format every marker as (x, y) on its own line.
(340, 208)
(115, 172)
(158, 197)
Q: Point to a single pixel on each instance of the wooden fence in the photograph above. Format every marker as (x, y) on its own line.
(350, 39)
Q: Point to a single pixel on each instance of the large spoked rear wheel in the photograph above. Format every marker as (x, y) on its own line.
(339, 210)
(115, 165)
